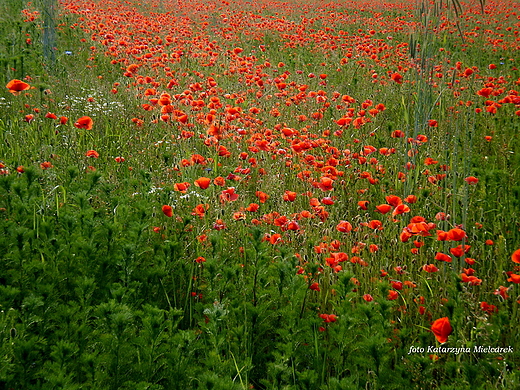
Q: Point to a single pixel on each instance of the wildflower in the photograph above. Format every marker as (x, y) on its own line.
(228, 195)
(275, 239)
(46, 165)
(383, 208)
(219, 225)
(368, 297)
(326, 184)
(410, 199)
(392, 295)
(17, 86)
(84, 122)
(459, 250)
(200, 210)
(344, 227)
(502, 291)
(315, 286)
(430, 268)
(292, 225)
(200, 260)
(490, 309)
(202, 182)
(441, 328)
(396, 284)
(471, 180)
(363, 204)
(252, 207)
(289, 196)
(262, 196)
(401, 209)
(327, 201)
(329, 317)
(515, 257)
(456, 234)
(514, 278)
(219, 181)
(473, 280)
(92, 153)
(442, 257)
(181, 187)
(397, 78)
(167, 210)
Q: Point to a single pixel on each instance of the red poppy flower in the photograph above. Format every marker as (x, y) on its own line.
(430, 268)
(368, 297)
(228, 195)
(473, 280)
(514, 278)
(456, 234)
(219, 181)
(167, 210)
(289, 196)
(516, 256)
(396, 284)
(262, 196)
(202, 182)
(397, 78)
(383, 208)
(315, 286)
(344, 227)
(502, 291)
(441, 328)
(17, 86)
(363, 204)
(326, 184)
(181, 187)
(200, 210)
(329, 317)
(471, 180)
(442, 257)
(490, 309)
(410, 199)
(85, 122)
(460, 250)
(392, 295)
(275, 239)
(401, 209)
(253, 207)
(46, 165)
(393, 200)
(92, 153)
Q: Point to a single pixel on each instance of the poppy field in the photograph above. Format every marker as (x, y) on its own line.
(259, 194)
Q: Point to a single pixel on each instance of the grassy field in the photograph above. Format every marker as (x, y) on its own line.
(259, 195)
